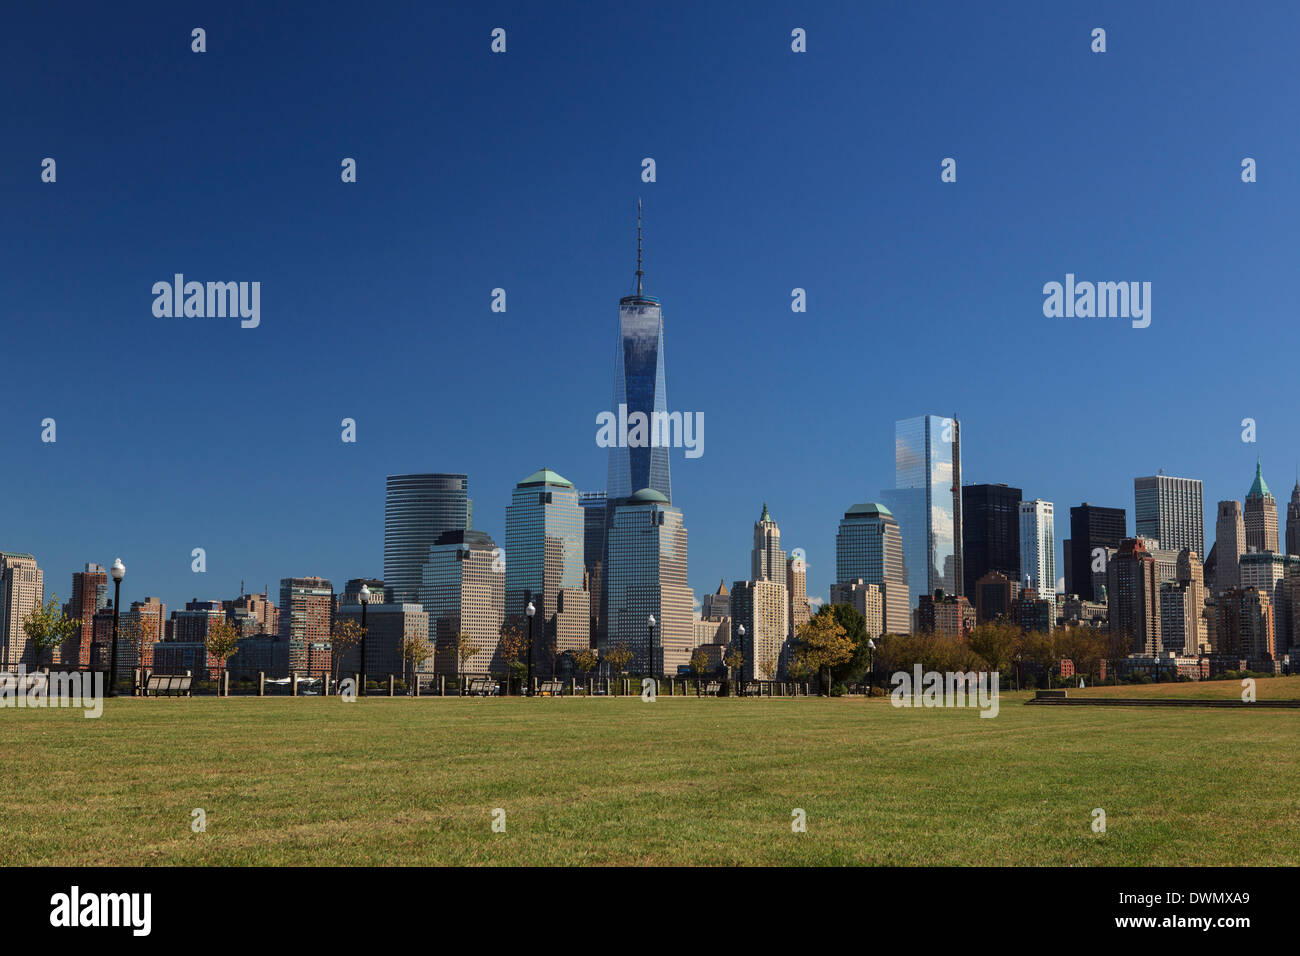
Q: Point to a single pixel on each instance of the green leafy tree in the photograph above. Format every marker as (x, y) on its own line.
(415, 651)
(222, 641)
(586, 660)
(46, 628)
(822, 644)
(699, 661)
(734, 660)
(855, 629)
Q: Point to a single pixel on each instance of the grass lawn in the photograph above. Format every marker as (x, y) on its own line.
(618, 781)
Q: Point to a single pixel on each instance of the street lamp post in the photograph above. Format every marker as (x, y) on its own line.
(651, 622)
(871, 663)
(365, 599)
(741, 629)
(530, 611)
(119, 572)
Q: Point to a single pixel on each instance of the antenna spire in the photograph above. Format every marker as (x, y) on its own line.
(639, 273)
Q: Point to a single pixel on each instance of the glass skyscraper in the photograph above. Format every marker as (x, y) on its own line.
(645, 574)
(925, 454)
(639, 386)
(544, 565)
(419, 509)
(869, 548)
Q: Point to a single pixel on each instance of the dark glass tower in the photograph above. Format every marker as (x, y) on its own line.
(419, 509)
(639, 387)
(991, 532)
(1091, 527)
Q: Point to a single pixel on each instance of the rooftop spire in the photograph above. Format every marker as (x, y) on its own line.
(639, 273)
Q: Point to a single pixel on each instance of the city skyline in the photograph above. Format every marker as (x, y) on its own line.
(175, 434)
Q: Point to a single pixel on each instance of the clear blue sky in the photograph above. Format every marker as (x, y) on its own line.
(522, 170)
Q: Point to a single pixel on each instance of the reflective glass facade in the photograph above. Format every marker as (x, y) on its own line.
(462, 591)
(545, 532)
(869, 548)
(922, 502)
(418, 509)
(645, 574)
(639, 384)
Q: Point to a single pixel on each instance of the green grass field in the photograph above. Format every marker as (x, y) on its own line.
(679, 781)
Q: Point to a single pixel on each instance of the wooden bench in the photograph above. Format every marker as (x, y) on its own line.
(753, 688)
(713, 688)
(168, 685)
(551, 688)
(483, 687)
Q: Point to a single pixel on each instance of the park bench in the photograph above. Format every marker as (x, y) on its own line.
(753, 688)
(551, 688)
(483, 687)
(168, 685)
(713, 688)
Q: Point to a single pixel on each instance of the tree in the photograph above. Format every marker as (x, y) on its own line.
(415, 651)
(222, 641)
(465, 648)
(143, 633)
(345, 635)
(855, 628)
(46, 627)
(768, 667)
(585, 660)
(823, 644)
(734, 660)
(699, 661)
(618, 657)
(513, 641)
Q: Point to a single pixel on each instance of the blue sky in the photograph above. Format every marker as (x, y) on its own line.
(475, 171)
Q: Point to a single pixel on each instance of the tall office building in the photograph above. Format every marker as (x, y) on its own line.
(1229, 546)
(639, 387)
(869, 547)
(761, 608)
(145, 622)
(192, 624)
(89, 595)
(1260, 515)
(418, 509)
(595, 520)
(1293, 521)
(1171, 510)
(544, 550)
(1246, 627)
(866, 599)
(1134, 593)
(990, 533)
(716, 606)
(306, 619)
(463, 590)
(923, 501)
(22, 591)
(796, 588)
(254, 614)
(767, 560)
(645, 575)
(1038, 547)
(1093, 530)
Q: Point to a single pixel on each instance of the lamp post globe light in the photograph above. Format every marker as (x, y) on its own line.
(741, 630)
(651, 622)
(119, 572)
(365, 599)
(530, 611)
(871, 663)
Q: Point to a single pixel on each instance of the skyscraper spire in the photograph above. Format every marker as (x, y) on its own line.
(639, 274)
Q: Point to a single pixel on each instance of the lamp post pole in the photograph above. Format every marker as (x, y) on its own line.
(365, 599)
(530, 611)
(871, 664)
(119, 572)
(652, 653)
(741, 629)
